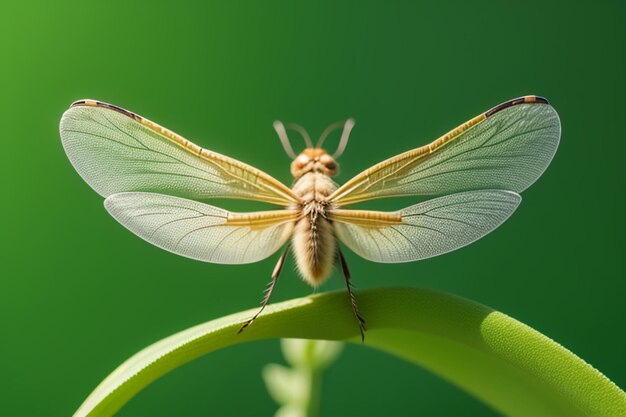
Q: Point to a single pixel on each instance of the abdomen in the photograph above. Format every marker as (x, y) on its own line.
(313, 240)
(314, 247)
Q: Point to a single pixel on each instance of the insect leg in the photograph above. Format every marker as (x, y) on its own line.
(268, 291)
(355, 309)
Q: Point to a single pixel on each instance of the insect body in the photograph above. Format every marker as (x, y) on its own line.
(313, 238)
(155, 183)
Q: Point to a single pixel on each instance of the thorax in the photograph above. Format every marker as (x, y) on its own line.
(314, 187)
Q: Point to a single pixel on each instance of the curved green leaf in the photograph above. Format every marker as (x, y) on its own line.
(506, 364)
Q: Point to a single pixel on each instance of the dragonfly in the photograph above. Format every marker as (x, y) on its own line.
(156, 184)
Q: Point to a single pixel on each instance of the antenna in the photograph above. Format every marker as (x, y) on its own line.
(345, 135)
(303, 133)
(284, 139)
(328, 131)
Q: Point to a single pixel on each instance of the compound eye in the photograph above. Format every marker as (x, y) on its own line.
(328, 162)
(302, 160)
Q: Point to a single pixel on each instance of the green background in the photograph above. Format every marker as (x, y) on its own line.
(79, 294)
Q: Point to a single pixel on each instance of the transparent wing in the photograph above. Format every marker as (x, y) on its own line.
(115, 150)
(507, 147)
(424, 230)
(200, 231)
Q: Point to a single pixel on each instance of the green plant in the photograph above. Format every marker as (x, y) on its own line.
(506, 364)
(297, 387)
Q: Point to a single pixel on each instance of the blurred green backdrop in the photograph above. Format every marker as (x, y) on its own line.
(79, 294)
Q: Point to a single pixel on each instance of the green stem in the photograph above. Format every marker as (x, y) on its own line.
(315, 392)
(508, 365)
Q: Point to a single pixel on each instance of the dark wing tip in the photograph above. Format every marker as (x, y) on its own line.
(516, 101)
(102, 104)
